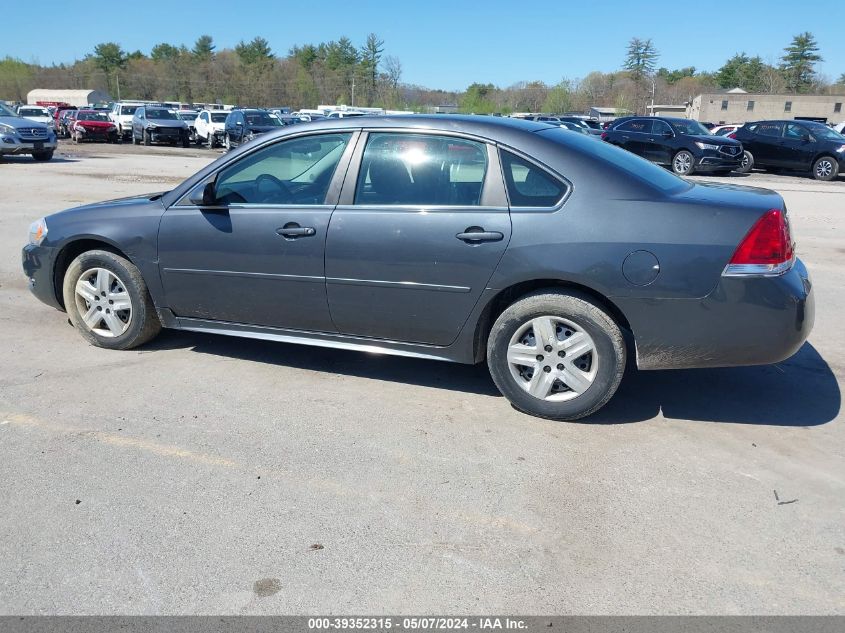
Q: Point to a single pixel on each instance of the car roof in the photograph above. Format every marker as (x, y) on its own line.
(478, 125)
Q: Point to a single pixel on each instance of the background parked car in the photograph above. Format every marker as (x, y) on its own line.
(121, 114)
(93, 125)
(22, 136)
(190, 118)
(725, 130)
(244, 125)
(801, 145)
(683, 144)
(155, 124)
(64, 122)
(39, 114)
(840, 127)
(210, 127)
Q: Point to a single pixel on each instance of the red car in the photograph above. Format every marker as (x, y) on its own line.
(93, 125)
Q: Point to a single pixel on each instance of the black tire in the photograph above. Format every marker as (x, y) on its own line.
(747, 163)
(210, 142)
(227, 143)
(685, 158)
(148, 140)
(722, 172)
(143, 322)
(580, 311)
(825, 168)
(43, 157)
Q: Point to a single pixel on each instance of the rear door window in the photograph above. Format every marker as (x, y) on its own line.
(769, 129)
(643, 126)
(421, 169)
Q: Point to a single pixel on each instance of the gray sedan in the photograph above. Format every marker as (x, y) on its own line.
(552, 257)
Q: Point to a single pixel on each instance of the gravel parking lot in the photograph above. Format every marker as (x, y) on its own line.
(205, 474)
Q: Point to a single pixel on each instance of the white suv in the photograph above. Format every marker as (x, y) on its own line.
(121, 114)
(211, 127)
(38, 114)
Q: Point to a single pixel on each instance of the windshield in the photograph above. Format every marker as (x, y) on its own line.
(219, 117)
(261, 118)
(92, 116)
(187, 116)
(5, 111)
(688, 126)
(821, 131)
(32, 112)
(161, 113)
(128, 109)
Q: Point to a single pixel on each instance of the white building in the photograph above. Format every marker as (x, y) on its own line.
(78, 98)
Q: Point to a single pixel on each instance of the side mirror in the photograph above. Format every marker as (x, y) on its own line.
(203, 195)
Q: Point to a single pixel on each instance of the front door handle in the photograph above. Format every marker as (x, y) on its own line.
(293, 230)
(475, 234)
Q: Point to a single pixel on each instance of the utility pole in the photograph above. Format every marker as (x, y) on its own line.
(353, 89)
(117, 79)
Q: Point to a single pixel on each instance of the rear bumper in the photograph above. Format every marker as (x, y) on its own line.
(38, 265)
(744, 321)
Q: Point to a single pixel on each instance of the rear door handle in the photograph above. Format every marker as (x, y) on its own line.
(476, 234)
(293, 230)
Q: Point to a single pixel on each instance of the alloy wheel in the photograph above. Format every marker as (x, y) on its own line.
(824, 168)
(682, 162)
(103, 302)
(553, 359)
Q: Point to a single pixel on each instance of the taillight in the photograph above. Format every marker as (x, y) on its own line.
(604, 136)
(766, 250)
(732, 135)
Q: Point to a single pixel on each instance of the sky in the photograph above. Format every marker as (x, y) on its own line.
(449, 44)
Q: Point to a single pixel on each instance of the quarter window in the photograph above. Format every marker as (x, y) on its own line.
(750, 106)
(528, 185)
(768, 129)
(421, 169)
(296, 171)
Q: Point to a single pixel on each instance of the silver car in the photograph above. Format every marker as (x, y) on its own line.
(22, 136)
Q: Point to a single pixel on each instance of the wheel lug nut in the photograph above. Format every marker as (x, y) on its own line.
(100, 308)
(560, 366)
(539, 357)
(548, 348)
(547, 369)
(561, 353)
(111, 302)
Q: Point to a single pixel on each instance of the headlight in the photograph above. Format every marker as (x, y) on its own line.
(841, 148)
(37, 231)
(152, 126)
(111, 128)
(81, 127)
(7, 129)
(706, 145)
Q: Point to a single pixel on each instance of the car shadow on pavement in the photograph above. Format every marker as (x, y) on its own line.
(801, 391)
(426, 373)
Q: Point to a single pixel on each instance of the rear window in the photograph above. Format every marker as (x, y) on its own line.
(640, 168)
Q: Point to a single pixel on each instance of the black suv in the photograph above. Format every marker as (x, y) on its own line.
(683, 144)
(801, 145)
(244, 125)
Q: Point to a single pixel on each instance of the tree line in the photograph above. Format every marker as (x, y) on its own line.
(339, 71)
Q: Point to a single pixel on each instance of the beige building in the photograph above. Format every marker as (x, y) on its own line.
(739, 107)
(78, 98)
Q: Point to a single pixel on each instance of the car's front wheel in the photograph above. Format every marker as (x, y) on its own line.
(746, 164)
(43, 156)
(825, 168)
(108, 302)
(227, 143)
(556, 355)
(148, 139)
(683, 163)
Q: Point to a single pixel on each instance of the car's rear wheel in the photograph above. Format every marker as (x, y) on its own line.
(683, 163)
(746, 164)
(108, 302)
(556, 355)
(825, 168)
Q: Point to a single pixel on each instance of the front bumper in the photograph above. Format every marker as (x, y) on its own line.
(744, 321)
(38, 265)
(168, 135)
(15, 145)
(97, 135)
(713, 160)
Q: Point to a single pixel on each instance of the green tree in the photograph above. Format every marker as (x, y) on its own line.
(203, 47)
(304, 55)
(164, 52)
(253, 52)
(109, 56)
(640, 59)
(341, 54)
(371, 54)
(798, 62)
(559, 99)
(674, 76)
(478, 99)
(16, 78)
(749, 73)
